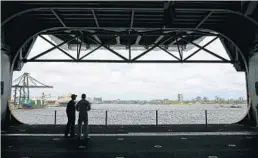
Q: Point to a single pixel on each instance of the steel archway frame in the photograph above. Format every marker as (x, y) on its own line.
(53, 29)
(135, 59)
(58, 28)
(252, 21)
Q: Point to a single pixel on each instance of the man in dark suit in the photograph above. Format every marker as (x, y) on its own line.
(70, 111)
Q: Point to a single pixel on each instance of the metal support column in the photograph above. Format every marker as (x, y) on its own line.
(27, 84)
(106, 118)
(20, 97)
(157, 118)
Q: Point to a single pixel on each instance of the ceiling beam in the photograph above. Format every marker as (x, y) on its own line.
(251, 7)
(159, 38)
(138, 40)
(78, 39)
(203, 20)
(206, 50)
(95, 17)
(132, 19)
(97, 38)
(97, 24)
(118, 40)
(128, 61)
(59, 19)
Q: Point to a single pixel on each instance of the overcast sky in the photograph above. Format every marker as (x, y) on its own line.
(136, 81)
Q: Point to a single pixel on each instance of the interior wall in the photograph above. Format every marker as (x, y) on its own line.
(252, 78)
(6, 78)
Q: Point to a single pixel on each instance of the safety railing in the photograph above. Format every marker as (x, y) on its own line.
(137, 117)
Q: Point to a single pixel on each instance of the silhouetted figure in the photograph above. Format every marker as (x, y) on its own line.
(83, 106)
(70, 111)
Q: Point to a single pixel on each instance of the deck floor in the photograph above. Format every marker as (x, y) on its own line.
(126, 143)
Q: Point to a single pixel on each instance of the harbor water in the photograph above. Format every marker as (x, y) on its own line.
(131, 114)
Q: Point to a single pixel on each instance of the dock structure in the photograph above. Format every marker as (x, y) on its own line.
(22, 86)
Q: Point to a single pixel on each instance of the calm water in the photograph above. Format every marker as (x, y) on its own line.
(139, 114)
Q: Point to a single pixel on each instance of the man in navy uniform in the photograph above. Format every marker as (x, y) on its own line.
(83, 106)
(70, 111)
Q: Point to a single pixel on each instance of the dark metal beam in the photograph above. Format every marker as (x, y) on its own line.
(79, 49)
(250, 8)
(79, 40)
(158, 39)
(154, 46)
(139, 29)
(130, 8)
(111, 50)
(130, 52)
(90, 52)
(118, 40)
(129, 44)
(32, 86)
(97, 24)
(169, 53)
(208, 51)
(59, 19)
(124, 61)
(132, 19)
(205, 33)
(227, 48)
(179, 51)
(58, 47)
(97, 38)
(203, 20)
(95, 17)
(138, 39)
(133, 33)
(47, 51)
(200, 48)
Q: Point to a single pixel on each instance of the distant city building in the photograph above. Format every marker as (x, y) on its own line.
(240, 98)
(180, 97)
(95, 99)
(217, 99)
(198, 99)
(205, 99)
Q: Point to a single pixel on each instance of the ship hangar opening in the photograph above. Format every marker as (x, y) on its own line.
(39, 97)
(147, 26)
(112, 26)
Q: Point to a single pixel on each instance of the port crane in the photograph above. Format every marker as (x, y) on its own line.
(22, 86)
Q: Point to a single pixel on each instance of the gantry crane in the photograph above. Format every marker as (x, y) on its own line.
(22, 87)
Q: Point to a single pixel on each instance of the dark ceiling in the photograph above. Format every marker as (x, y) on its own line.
(135, 23)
